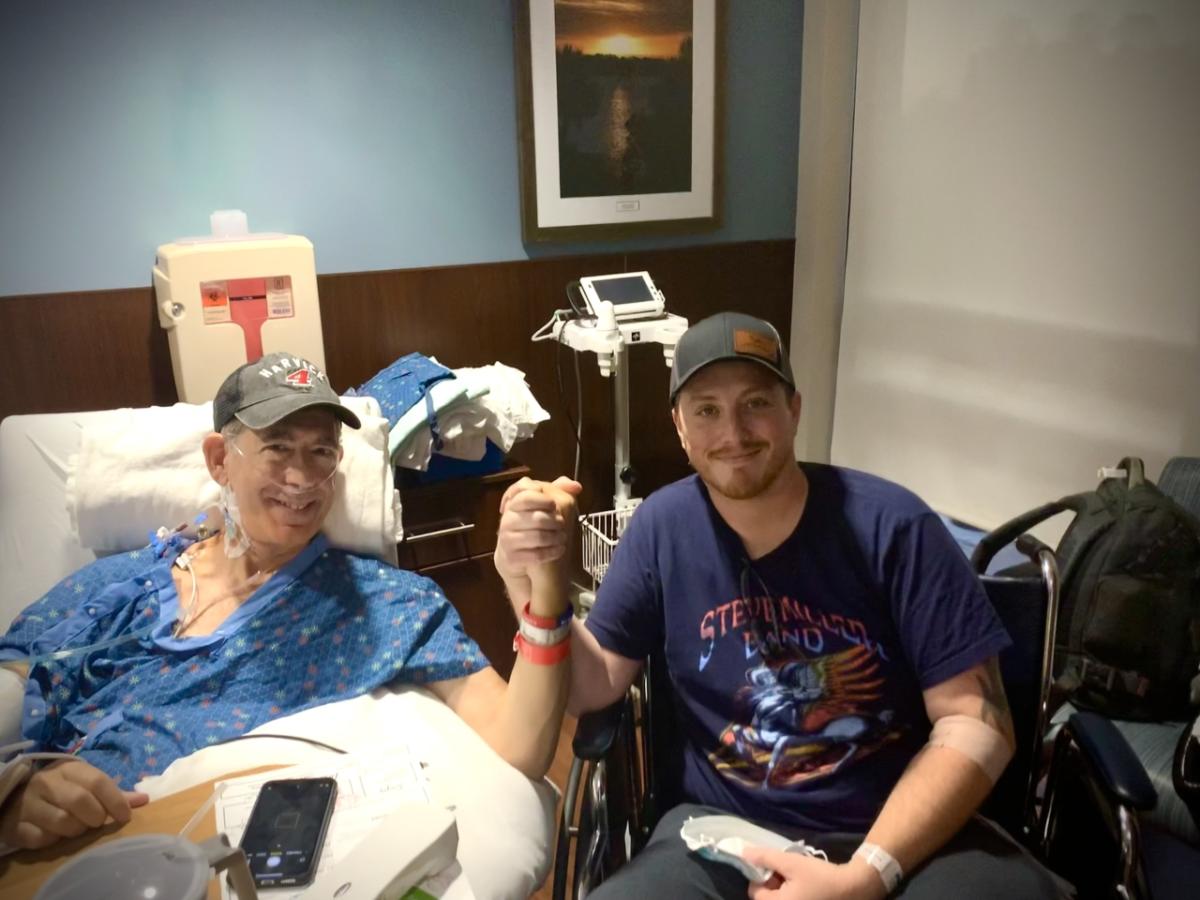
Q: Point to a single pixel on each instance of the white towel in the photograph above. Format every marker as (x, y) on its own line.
(465, 430)
(481, 404)
(516, 411)
(138, 469)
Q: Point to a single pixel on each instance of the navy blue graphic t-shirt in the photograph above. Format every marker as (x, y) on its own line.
(799, 674)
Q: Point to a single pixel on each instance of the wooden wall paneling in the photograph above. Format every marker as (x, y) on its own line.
(105, 349)
(478, 320)
(464, 316)
(82, 351)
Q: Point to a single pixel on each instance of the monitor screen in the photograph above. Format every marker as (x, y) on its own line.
(625, 289)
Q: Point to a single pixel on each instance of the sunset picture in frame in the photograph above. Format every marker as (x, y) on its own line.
(618, 108)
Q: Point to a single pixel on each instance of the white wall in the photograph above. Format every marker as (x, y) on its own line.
(1022, 295)
(822, 201)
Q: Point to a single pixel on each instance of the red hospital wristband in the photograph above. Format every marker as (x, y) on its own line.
(545, 621)
(539, 655)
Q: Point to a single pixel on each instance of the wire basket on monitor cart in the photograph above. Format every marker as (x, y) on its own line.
(600, 533)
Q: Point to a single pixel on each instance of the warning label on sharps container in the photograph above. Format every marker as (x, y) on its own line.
(270, 298)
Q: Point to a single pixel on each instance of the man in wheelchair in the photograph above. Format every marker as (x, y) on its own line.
(141, 658)
(831, 654)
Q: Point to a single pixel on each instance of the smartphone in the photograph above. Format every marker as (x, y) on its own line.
(286, 830)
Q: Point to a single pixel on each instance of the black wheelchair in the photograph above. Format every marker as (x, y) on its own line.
(626, 771)
(1122, 804)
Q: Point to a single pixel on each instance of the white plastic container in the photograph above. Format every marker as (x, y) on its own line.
(232, 297)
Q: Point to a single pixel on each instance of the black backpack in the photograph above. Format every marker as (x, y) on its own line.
(1127, 643)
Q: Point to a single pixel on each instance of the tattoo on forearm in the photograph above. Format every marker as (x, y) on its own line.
(995, 711)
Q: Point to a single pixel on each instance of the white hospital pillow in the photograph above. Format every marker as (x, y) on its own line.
(38, 546)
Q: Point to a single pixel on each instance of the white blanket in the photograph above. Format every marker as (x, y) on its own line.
(505, 820)
(139, 469)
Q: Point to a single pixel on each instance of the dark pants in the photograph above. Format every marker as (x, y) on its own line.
(978, 863)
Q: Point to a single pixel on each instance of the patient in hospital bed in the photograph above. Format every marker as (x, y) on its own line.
(144, 657)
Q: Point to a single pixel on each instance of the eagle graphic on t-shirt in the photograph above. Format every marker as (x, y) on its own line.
(804, 719)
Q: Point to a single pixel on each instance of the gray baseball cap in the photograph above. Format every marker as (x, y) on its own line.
(261, 393)
(729, 335)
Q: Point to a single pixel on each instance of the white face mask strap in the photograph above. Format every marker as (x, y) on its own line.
(974, 739)
(236, 542)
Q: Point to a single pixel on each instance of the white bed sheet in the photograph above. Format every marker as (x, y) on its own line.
(506, 822)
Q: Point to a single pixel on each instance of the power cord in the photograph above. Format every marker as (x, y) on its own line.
(576, 428)
(282, 737)
(552, 330)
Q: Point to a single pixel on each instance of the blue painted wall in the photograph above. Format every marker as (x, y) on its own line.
(383, 131)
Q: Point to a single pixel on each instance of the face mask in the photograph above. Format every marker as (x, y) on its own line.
(236, 542)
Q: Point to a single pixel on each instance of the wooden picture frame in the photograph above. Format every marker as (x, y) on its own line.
(619, 114)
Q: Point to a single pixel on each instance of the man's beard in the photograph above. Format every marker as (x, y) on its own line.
(743, 485)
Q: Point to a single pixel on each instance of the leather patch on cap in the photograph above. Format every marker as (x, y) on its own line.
(755, 343)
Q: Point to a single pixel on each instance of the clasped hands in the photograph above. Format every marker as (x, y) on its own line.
(537, 519)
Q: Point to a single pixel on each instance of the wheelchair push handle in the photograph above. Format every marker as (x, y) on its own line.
(1031, 547)
(1018, 530)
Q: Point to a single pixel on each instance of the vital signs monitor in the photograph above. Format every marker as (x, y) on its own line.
(632, 294)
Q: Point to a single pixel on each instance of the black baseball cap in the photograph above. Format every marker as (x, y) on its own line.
(261, 393)
(729, 335)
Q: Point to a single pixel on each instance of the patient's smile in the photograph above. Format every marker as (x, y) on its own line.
(294, 504)
(300, 509)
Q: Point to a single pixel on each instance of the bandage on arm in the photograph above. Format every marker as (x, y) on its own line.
(974, 739)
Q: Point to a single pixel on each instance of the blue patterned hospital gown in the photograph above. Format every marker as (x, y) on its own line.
(327, 626)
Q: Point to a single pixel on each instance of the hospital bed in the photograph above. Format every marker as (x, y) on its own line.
(505, 821)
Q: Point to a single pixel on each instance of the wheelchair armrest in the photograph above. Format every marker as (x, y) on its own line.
(1120, 771)
(596, 731)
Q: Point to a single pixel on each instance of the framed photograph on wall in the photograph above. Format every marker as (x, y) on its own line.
(618, 117)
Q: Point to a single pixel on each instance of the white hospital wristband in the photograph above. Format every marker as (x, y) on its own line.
(882, 862)
(544, 637)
